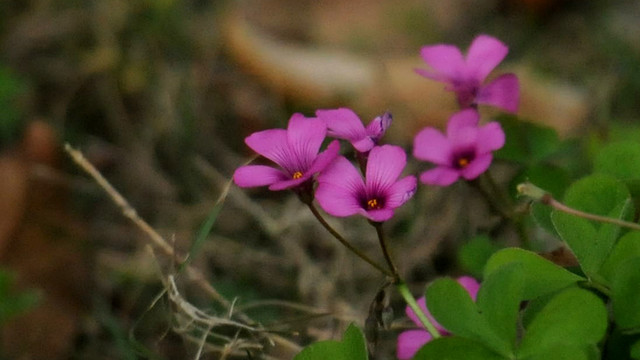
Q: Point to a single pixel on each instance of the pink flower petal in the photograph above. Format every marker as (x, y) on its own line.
(462, 119)
(287, 184)
(378, 126)
(363, 145)
(470, 284)
(378, 215)
(503, 93)
(433, 76)
(464, 139)
(446, 60)
(431, 145)
(401, 191)
(410, 341)
(342, 123)
(384, 167)
(479, 165)
(305, 136)
(485, 53)
(338, 188)
(324, 158)
(271, 144)
(257, 175)
(442, 176)
(490, 138)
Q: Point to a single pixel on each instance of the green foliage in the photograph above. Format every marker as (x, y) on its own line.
(564, 352)
(499, 300)
(540, 275)
(201, 237)
(11, 303)
(455, 348)
(451, 305)
(592, 242)
(526, 143)
(551, 178)
(352, 347)
(626, 248)
(625, 295)
(473, 255)
(11, 88)
(635, 350)
(575, 318)
(620, 160)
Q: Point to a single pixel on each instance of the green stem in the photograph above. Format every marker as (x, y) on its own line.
(502, 203)
(385, 251)
(534, 192)
(402, 286)
(344, 242)
(413, 304)
(599, 287)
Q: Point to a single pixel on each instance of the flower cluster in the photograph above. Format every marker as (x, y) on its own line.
(464, 150)
(341, 191)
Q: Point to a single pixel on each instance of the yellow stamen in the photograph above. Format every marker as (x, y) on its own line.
(463, 162)
(297, 175)
(373, 204)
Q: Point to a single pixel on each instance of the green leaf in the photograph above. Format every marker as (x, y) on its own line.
(12, 89)
(625, 294)
(597, 194)
(620, 160)
(200, 239)
(571, 352)
(499, 300)
(526, 142)
(619, 344)
(553, 180)
(574, 317)
(455, 348)
(635, 350)
(590, 241)
(14, 303)
(541, 276)
(474, 255)
(451, 305)
(352, 347)
(626, 248)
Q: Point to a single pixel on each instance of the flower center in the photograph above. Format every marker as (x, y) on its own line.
(373, 204)
(462, 159)
(463, 162)
(297, 175)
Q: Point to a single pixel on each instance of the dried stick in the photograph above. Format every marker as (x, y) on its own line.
(158, 241)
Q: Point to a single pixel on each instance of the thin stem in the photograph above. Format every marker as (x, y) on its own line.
(501, 202)
(413, 304)
(536, 193)
(564, 208)
(385, 251)
(496, 205)
(599, 287)
(344, 242)
(402, 286)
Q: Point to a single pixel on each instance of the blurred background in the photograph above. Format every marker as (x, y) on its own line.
(159, 95)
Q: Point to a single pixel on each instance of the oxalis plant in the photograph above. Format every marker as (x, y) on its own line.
(525, 306)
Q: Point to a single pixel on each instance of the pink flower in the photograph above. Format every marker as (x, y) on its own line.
(344, 124)
(465, 75)
(465, 151)
(342, 192)
(410, 341)
(294, 150)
